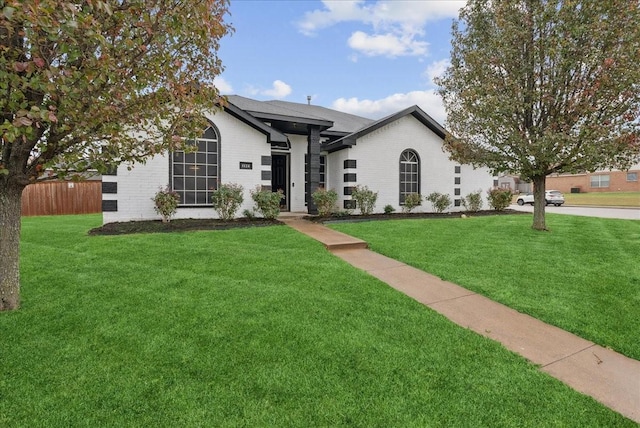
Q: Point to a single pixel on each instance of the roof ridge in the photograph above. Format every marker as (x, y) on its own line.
(271, 102)
(280, 102)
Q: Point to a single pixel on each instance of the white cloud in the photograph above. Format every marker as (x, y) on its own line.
(333, 13)
(386, 44)
(279, 90)
(379, 14)
(428, 100)
(223, 86)
(436, 69)
(396, 25)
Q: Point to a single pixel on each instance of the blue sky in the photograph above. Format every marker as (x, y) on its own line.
(369, 58)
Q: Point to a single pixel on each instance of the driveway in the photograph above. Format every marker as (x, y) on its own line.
(622, 213)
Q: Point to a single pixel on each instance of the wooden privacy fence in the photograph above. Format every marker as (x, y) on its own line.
(57, 198)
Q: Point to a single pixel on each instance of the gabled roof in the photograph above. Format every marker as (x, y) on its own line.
(342, 122)
(415, 111)
(263, 110)
(273, 135)
(279, 113)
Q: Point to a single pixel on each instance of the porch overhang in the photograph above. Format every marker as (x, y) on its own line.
(274, 137)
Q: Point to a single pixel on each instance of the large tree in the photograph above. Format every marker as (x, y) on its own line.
(537, 87)
(90, 84)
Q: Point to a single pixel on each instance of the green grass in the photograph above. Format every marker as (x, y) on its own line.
(246, 328)
(620, 199)
(582, 276)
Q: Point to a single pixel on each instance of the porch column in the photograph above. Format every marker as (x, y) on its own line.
(313, 174)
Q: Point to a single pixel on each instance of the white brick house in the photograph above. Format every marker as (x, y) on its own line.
(297, 148)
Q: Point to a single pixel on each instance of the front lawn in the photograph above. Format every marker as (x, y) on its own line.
(582, 276)
(615, 199)
(257, 327)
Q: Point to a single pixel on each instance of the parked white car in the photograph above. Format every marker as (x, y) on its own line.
(550, 197)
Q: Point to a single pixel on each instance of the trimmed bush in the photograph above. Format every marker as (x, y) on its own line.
(325, 201)
(499, 198)
(365, 199)
(267, 202)
(249, 214)
(388, 209)
(439, 201)
(227, 199)
(165, 202)
(473, 201)
(411, 201)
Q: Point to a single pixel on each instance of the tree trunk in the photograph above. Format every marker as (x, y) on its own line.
(539, 202)
(10, 210)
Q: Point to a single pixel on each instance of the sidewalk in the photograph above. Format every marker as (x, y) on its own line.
(609, 377)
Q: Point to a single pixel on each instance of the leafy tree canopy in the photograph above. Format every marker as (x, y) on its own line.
(90, 84)
(537, 87)
(78, 76)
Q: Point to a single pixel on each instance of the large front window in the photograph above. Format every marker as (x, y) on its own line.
(194, 174)
(409, 174)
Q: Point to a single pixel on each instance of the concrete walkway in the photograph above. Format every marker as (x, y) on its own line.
(609, 377)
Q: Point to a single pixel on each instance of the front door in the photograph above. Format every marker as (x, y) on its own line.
(279, 178)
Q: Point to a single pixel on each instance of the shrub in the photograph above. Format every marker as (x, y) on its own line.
(365, 199)
(227, 199)
(325, 201)
(411, 201)
(440, 201)
(499, 199)
(166, 203)
(249, 214)
(473, 201)
(388, 209)
(267, 202)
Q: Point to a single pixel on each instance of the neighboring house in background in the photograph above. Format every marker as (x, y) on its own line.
(599, 181)
(297, 148)
(514, 183)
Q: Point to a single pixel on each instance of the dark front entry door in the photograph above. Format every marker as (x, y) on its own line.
(279, 178)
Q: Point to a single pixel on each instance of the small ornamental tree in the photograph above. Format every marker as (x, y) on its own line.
(227, 200)
(365, 199)
(165, 203)
(91, 84)
(325, 200)
(439, 201)
(499, 198)
(537, 87)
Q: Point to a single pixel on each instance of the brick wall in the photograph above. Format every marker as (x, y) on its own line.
(378, 165)
(137, 186)
(617, 182)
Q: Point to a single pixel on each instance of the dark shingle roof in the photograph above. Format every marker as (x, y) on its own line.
(342, 122)
(333, 121)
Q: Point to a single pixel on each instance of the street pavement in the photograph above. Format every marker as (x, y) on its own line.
(605, 212)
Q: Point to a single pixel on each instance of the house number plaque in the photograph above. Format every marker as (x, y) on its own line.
(246, 165)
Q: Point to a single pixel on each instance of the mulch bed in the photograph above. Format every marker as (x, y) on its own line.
(183, 225)
(399, 216)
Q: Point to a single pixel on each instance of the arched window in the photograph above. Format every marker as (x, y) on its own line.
(194, 174)
(409, 174)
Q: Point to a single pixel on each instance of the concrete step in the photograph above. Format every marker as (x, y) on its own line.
(331, 239)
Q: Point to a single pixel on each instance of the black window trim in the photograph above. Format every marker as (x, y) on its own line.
(218, 168)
